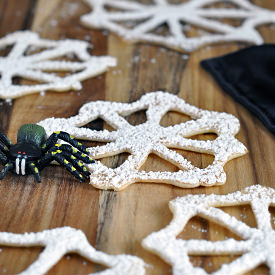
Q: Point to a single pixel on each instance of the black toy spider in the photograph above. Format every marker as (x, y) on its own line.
(34, 151)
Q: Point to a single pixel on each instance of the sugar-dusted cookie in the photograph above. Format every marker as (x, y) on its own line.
(39, 60)
(257, 244)
(150, 137)
(63, 240)
(137, 21)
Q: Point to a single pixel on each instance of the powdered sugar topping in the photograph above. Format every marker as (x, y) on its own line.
(60, 241)
(255, 249)
(42, 65)
(142, 20)
(151, 137)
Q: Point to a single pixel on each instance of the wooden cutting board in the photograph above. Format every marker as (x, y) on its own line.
(116, 222)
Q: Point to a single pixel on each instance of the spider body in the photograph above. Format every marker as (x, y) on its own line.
(30, 139)
(24, 150)
(34, 151)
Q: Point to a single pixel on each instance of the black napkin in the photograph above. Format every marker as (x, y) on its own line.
(248, 76)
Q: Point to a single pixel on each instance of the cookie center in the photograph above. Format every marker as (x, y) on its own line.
(141, 136)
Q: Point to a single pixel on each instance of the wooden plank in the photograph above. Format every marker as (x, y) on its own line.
(117, 222)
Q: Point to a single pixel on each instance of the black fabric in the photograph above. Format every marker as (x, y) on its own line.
(249, 77)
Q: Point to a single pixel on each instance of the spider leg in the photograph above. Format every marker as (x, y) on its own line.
(44, 161)
(78, 164)
(54, 155)
(3, 158)
(63, 161)
(9, 166)
(66, 137)
(34, 169)
(3, 148)
(5, 140)
(71, 150)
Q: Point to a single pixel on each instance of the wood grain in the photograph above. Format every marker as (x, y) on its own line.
(117, 222)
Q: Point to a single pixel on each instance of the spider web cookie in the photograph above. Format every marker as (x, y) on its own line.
(60, 241)
(256, 248)
(141, 21)
(36, 59)
(150, 137)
